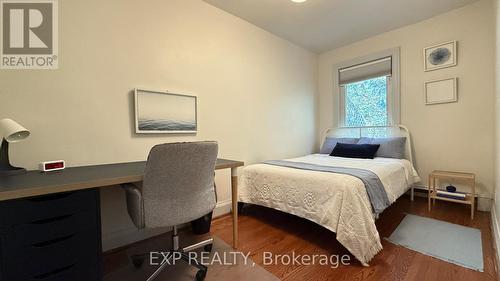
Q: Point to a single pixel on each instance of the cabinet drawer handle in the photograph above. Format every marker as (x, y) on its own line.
(50, 197)
(53, 241)
(53, 272)
(49, 220)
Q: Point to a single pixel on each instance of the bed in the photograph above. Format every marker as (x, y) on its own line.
(316, 187)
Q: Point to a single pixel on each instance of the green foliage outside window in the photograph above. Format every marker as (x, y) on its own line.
(366, 103)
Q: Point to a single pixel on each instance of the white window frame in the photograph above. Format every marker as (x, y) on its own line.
(393, 86)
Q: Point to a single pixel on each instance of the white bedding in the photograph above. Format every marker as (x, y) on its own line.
(338, 202)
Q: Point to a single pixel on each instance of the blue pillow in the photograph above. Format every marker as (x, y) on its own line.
(366, 151)
(330, 143)
(393, 147)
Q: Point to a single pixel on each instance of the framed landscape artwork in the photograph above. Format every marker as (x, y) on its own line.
(159, 112)
(440, 56)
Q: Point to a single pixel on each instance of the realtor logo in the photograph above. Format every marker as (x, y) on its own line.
(29, 34)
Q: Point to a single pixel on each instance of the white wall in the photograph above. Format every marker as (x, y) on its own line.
(457, 136)
(495, 220)
(256, 91)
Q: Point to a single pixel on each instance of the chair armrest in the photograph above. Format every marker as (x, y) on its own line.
(135, 204)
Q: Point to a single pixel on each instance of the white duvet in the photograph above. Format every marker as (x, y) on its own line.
(338, 202)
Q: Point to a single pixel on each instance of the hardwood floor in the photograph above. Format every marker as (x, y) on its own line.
(119, 268)
(262, 229)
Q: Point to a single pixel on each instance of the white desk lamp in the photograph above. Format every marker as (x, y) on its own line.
(10, 132)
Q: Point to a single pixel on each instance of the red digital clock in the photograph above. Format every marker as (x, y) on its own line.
(50, 166)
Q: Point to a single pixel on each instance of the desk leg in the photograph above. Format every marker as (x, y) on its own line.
(234, 199)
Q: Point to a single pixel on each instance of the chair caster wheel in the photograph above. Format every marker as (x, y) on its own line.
(201, 274)
(208, 248)
(137, 261)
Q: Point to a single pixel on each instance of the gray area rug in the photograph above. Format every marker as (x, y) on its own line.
(446, 241)
(181, 271)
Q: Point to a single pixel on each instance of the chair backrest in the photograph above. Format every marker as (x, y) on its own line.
(178, 184)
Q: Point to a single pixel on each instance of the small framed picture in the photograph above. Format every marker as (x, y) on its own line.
(440, 56)
(441, 91)
(158, 112)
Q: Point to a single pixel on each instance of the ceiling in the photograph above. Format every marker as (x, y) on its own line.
(323, 25)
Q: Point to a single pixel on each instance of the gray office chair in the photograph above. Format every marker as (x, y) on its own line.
(178, 187)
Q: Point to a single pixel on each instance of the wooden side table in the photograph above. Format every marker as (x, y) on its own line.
(468, 178)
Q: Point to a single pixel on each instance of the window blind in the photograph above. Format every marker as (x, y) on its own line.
(364, 71)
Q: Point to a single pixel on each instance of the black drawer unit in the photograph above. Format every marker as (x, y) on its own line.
(54, 237)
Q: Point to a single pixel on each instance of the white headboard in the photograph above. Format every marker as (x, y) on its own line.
(374, 132)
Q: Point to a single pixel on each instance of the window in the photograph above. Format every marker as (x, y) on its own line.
(369, 91)
(366, 103)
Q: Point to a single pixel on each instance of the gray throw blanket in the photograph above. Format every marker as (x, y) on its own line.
(374, 187)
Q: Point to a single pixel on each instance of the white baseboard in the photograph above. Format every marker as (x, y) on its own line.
(483, 202)
(222, 208)
(130, 235)
(495, 227)
(124, 237)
